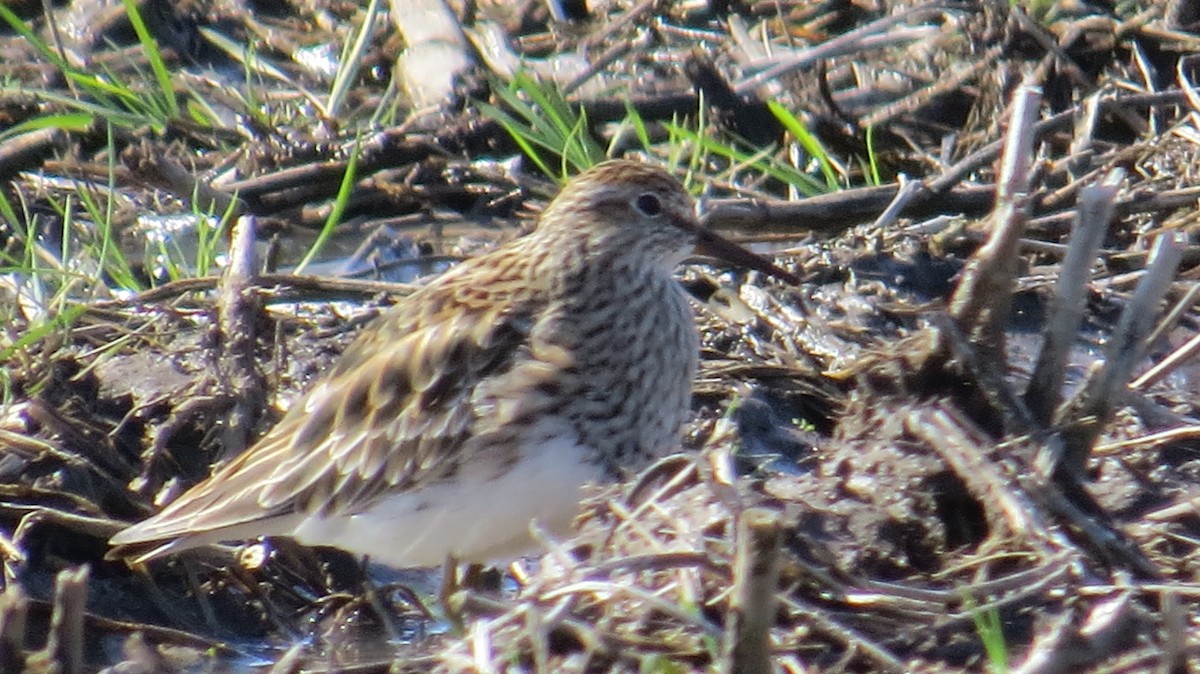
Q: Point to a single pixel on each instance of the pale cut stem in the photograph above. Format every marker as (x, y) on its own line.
(14, 610)
(756, 581)
(64, 645)
(237, 309)
(1123, 354)
(981, 302)
(1176, 357)
(1095, 211)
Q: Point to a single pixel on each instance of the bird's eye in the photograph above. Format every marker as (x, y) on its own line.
(648, 204)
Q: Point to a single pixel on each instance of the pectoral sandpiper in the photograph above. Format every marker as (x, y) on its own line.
(485, 400)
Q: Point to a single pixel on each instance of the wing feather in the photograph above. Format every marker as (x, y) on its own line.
(396, 405)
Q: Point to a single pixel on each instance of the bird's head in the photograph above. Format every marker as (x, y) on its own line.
(623, 207)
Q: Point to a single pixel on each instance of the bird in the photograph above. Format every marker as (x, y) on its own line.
(482, 404)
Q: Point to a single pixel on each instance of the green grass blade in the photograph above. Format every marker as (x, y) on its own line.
(35, 333)
(518, 133)
(578, 145)
(633, 118)
(872, 159)
(758, 161)
(154, 55)
(114, 101)
(990, 629)
(244, 54)
(76, 122)
(111, 258)
(351, 61)
(206, 260)
(811, 144)
(540, 128)
(552, 110)
(339, 207)
(38, 43)
(7, 212)
(697, 156)
(544, 124)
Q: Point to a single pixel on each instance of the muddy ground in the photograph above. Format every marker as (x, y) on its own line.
(887, 470)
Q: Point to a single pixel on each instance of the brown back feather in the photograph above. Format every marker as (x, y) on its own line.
(352, 436)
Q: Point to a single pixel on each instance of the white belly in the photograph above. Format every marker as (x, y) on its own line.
(480, 517)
